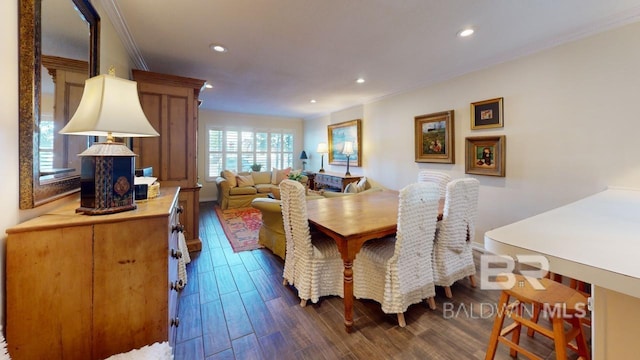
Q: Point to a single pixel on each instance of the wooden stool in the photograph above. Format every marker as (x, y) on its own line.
(561, 303)
(574, 284)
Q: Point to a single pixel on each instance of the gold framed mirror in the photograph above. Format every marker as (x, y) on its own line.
(39, 187)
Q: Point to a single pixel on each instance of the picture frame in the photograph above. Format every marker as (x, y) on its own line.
(434, 138)
(485, 155)
(337, 135)
(487, 114)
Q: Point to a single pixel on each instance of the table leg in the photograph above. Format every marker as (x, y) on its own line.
(348, 295)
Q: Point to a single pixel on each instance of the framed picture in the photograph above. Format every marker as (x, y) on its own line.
(340, 133)
(485, 155)
(486, 114)
(434, 138)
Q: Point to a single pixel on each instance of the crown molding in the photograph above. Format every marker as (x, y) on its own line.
(120, 25)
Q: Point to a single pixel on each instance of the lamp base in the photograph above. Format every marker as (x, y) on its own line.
(106, 179)
(111, 210)
(321, 163)
(347, 173)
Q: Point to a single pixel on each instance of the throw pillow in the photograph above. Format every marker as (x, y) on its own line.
(230, 176)
(246, 180)
(351, 188)
(278, 175)
(263, 177)
(362, 184)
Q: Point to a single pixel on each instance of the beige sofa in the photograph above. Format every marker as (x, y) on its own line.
(271, 233)
(238, 190)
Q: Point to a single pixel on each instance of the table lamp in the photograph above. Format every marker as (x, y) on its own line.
(303, 157)
(348, 151)
(322, 149)
(109, 107)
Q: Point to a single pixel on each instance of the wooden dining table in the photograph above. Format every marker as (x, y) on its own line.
(351, 221)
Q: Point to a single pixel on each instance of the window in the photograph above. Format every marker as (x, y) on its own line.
(236, 149)
(46, 142)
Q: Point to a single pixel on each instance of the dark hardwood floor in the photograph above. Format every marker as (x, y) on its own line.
(235, 307)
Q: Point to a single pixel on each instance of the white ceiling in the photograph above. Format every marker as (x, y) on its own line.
(282, 53)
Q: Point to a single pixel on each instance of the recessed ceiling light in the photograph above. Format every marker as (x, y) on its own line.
(466, 32)
(360, 80)
(218, 48)
(313, 101)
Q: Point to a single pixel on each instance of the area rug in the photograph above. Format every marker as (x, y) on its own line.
(241, 226)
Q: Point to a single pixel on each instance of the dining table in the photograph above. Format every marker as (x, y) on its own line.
(351, 220)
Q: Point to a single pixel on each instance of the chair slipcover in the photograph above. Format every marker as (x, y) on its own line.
(397, 272)
(313, 265)
(440, 178)
(452, 255)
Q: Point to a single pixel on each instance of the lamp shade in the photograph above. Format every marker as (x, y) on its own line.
(303, 155)
(348, 148)
(322, 148)
(109, 105)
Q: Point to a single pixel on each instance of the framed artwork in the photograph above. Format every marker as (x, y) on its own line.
(485, 155)
(434, 138)
(338, 134)
(486, 114)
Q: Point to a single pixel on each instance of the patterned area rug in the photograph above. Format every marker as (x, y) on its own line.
(241, 227)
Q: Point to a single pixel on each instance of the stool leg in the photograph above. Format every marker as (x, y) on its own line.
(581, 341)
(534, 318)
(559, 338)
(515, 335)
(497, 326)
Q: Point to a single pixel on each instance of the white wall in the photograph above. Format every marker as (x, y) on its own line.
(209, 192)
(570, 118)
(8, 126)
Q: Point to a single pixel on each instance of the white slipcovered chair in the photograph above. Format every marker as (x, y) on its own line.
(312, 264)
(397, 272)
(452, 252)
(440, 178)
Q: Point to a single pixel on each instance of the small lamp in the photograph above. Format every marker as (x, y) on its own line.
(109, 107)
(303, 157)
(348, 151)
(322, 149)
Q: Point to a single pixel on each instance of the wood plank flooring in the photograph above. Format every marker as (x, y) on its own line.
(235, 307)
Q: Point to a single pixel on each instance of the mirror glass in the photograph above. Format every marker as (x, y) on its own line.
(65, 59)
(58, 52)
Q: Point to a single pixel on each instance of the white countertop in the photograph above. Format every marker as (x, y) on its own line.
(596, 239)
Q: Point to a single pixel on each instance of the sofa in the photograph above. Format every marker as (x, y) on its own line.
(271, 233)
(237, 190)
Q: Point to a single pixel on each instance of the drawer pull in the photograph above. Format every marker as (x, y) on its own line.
(175, 322)
(178, 228)
(177, 285)
(176, 254)
(179, 209)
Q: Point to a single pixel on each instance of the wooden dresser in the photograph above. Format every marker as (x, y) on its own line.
(334, 181)
(171, 104)
(88, 287)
